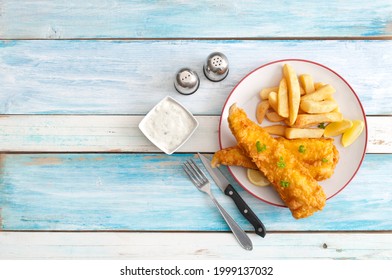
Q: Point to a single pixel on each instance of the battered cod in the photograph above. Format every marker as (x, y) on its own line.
(319, 156)
(293, 182)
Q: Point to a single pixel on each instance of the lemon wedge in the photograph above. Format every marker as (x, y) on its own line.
(337, 128)
(350, 135)
(257, 178)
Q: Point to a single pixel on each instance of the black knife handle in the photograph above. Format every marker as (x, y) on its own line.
(245, 210)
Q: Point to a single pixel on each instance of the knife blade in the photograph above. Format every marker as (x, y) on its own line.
(229, 190)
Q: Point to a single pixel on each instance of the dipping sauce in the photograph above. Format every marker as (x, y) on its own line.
(168, 125)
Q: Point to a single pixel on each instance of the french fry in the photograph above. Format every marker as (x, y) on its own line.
(262, 108)
(294, 92)
(293, 133)
(273, 100)
(322, 93)
(264, 93)
(274, 117)
(300, 111)
(318, 85)
(317, 107)
(283, 102)
(276, 129)
(307, 120)
(302, 91)
(337, 109)
(306, 81)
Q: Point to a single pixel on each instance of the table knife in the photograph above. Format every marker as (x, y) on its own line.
(229, 190)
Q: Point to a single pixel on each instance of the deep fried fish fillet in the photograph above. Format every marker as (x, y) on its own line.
(293, 182)
(319, 156)
(232, 156)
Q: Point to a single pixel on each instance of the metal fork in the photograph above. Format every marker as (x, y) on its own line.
(201, 182)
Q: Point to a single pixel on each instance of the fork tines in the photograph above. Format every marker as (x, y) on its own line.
(195, 174)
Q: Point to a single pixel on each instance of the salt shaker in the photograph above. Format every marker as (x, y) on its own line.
(216, 67)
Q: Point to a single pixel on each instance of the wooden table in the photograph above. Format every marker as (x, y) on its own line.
(78, 180)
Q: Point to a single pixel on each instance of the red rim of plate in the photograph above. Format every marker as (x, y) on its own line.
(307, 61)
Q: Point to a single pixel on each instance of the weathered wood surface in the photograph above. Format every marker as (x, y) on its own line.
(106, 86)
(151, 192)
(193, 246)
(59, 19)
(129, 77)
(120, 133)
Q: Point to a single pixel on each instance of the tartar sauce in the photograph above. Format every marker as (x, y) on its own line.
(168, 125)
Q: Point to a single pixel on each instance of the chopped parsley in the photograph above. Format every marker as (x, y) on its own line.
(321, 125)
(301, 149)
(281, 163)
(260, 148)
(324, 160)
(284, 184)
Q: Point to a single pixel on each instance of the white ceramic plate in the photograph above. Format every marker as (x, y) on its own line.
(245, 94)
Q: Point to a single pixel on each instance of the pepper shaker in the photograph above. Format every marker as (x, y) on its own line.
(186, 81)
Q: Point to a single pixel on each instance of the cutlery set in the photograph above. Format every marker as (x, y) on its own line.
(201, 182)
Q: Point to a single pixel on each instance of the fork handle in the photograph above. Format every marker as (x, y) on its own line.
(238, 232)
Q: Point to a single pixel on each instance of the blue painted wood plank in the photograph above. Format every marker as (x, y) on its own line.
(151, 192)
(129, 77)
(178, 19)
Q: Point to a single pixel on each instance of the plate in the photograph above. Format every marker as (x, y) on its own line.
(246, 95)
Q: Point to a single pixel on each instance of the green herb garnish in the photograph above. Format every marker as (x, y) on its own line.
(301, 149)
(324, 160)
(260, 148)
(284, 184)
(281, 163)
(321, 125)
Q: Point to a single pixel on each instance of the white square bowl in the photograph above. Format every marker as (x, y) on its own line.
(168, 125)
